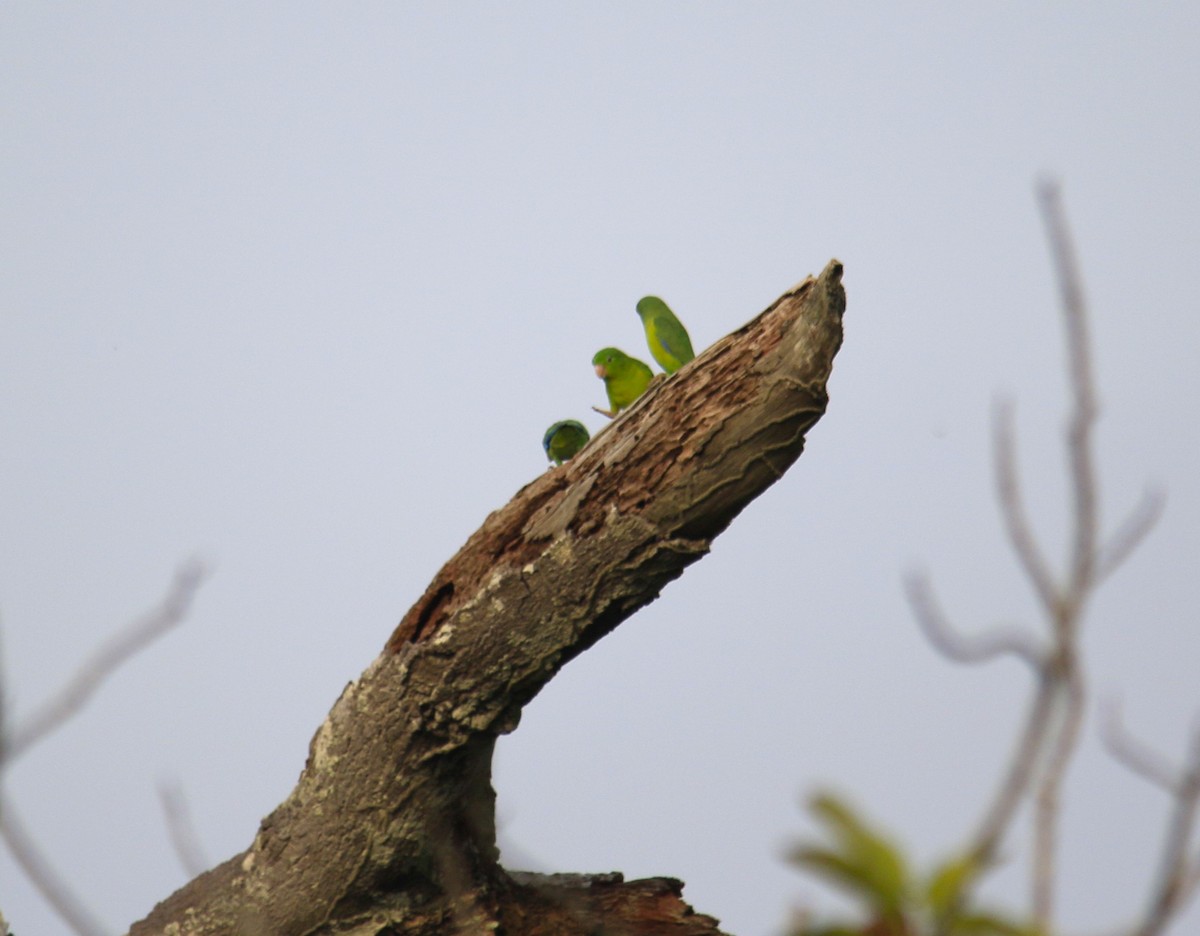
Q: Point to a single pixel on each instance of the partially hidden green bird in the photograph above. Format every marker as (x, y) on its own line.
(668, 339)
(564, 439)
(625, 378)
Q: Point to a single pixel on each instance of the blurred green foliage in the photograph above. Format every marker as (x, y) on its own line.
(863, 863)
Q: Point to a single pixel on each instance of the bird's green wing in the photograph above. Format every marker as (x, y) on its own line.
(665, 334)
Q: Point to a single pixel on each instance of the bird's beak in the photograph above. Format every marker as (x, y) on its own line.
(600, 371)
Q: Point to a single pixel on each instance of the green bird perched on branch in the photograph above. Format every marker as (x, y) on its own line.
(668, 339)
(625, 378)
(564, 439)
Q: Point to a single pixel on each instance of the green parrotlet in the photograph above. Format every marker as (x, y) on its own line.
(668, 339)
(564, 439)
(625, 378)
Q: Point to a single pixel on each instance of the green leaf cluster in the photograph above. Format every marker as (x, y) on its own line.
(861, 861)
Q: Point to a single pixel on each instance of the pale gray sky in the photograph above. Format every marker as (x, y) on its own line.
(298, 288)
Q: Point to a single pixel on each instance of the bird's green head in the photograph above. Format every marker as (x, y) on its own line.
(651, 305)
(608, 360)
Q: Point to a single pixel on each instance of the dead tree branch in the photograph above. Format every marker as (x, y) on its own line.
(391, 827)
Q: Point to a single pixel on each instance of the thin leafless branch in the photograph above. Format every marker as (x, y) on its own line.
(1178, 875)
(61, 706)
(1083, 393)
(48, 881)
(107, 657)
(1135, 754)
(1020, 773)
(1191, 882)
(1050, 737)
(1012, 506)
(1130, 533)
(3, 711)
(1066, 678)
(1066, 611)
(182, 830)
(959, 647)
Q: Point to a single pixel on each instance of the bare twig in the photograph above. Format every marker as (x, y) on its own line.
(1066, 677)
(182, 830)
(958, 647)
(60, 707)
(1191, 883)
(1084, 412)
(1020, 772)
(1067, 611)
(1136, 755)
(1012, 506)
(106, 658)
(3, 712)
(48, 881)
(1130, 533)
(1178, 876)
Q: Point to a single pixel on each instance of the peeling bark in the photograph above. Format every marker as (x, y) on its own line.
(391, 826)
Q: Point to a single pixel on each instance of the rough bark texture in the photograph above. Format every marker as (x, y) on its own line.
(390, 829)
